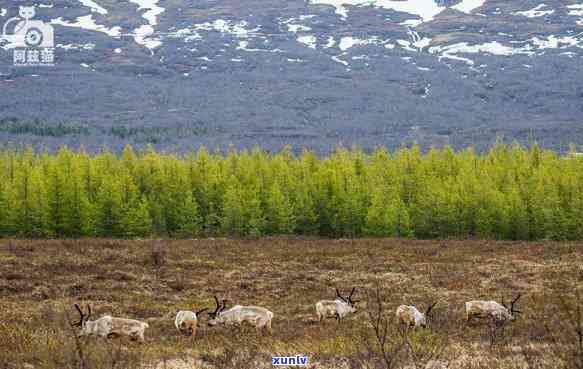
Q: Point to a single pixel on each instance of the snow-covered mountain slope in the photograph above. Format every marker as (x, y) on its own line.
(307, 72)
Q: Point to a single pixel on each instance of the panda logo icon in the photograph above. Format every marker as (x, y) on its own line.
(27, 32)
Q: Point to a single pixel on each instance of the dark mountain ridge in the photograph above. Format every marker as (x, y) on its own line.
(314, 74)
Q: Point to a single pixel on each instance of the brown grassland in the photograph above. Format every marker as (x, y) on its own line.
(40, 280)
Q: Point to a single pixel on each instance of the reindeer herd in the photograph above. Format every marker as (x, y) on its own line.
(186, 322)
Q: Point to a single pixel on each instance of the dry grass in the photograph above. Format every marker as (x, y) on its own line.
(40, 281)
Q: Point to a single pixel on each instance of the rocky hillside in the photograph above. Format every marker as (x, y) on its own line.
(310, 73)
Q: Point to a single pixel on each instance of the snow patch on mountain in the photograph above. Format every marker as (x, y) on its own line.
(338, 60)
(94, 6)
(406, 45)
(236, 29)
(425, 9)
(87, 22)
(186, 34)
(348, 42)
(553, 42)
(330, 43)
(295, 28)
(576, 10)
(468, 6)
(308, 40)
(294, 24)
(452, 51)
(153, 10)
(142, 34)
(239, 29)
(530, 47)
(416, 40)
(244, 46)
(536, 12)
(88, 46)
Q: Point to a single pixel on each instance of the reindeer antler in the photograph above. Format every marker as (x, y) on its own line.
(340, 296)
(201, 311)
(224, 302)
(430, 307)
(82, 317)
(218, 306)
(350, 296)
(512, 311)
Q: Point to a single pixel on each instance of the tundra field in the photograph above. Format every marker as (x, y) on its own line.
(152, 280)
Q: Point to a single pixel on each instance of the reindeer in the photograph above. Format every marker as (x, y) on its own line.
(110, 327)
(411, 317)
(338, 308)
(256, 315)
(492, 309)
(187, 321)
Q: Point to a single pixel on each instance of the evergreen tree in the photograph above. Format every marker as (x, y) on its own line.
(136, 221)
(233, 221)
(510, 192)
(280, 213)
(189, 222)
(109, 208)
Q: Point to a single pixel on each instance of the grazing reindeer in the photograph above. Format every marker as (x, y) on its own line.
(109, 327)
(338, 308)
(257, 316)
(187, 321)
(411, 317)
(492, 309)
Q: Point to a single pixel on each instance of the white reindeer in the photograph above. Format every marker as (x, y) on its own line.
(410, 316)
(492, 309)
(187, 321)
(255, 315)
(110, 327)
(338, 308)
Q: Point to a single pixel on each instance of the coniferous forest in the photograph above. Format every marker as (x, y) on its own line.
(510, 192)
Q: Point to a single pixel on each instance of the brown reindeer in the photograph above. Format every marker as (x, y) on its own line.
(187, 321)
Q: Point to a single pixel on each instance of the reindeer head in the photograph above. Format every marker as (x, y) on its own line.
(83, 320)
(348, 300)
(191, 325)
(512, 313)
(200, 312)
(215, 316)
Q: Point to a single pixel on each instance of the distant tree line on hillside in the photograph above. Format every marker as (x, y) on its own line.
(509, 192)
(152, 135)
(37, 127)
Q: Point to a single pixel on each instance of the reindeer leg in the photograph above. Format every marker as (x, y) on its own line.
(269, 329)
